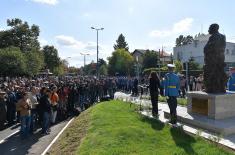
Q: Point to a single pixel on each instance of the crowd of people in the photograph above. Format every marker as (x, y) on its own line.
(42, 102)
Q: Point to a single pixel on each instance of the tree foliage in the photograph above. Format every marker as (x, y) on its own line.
(12, 62)
(150, 59)
(20, 35)
(178, 66)
(121, 43)
(120, 62)
(34, 62)
(51, 58)
(193, 65)
(183, 40)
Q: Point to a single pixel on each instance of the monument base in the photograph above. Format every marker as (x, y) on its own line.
(214, 106)
(223, 127)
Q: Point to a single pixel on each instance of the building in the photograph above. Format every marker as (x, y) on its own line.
(165, 57)
(195, 50)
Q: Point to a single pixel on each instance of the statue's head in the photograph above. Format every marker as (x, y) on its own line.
(214, 28)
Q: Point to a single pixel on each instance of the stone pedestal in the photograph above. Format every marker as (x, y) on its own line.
(215, 106)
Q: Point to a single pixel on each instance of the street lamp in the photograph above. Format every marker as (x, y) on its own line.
(84, 54)
(68, 60)
(97, 32)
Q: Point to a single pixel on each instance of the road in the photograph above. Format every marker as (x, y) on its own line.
(11, 143)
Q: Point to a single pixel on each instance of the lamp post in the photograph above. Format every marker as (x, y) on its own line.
(84, 54)
(97, 32)
(68, 62)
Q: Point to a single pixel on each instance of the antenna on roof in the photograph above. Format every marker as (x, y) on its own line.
(201, 28)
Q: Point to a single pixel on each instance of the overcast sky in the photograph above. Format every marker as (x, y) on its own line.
(146, 24)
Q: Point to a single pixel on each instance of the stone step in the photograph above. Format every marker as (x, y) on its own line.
(223, 127)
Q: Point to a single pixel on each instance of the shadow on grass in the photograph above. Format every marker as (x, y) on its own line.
(183, 140)
(155, 124)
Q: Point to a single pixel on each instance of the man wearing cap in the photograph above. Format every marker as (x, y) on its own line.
(172, 86)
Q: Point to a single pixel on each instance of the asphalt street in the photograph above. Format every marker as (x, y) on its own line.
(35, 144)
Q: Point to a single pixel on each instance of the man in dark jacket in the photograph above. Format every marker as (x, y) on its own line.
(45, 106)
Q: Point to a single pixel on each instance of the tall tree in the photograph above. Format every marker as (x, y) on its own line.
(51, 58)
(20, 35)
(121, 43)
(150, 59)
(120, 62)
(12, 62)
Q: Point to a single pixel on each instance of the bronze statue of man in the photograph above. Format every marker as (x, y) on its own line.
(215, 78)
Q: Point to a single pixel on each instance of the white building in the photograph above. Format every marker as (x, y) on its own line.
(195, 50)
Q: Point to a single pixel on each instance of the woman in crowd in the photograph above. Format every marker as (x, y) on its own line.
(54, 103)
(154, 85)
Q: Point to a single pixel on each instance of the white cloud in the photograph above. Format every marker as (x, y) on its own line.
(49, 2)
(68, 46)
(66, 40)
(183, 25)
(42, 41)
(179, 27)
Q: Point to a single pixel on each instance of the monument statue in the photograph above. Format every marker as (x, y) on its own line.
(215, 78)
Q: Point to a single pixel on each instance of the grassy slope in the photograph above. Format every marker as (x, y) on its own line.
(115, 128)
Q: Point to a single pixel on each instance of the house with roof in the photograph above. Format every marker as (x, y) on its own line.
(165, 57)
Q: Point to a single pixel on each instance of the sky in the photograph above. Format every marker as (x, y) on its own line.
(146, 24)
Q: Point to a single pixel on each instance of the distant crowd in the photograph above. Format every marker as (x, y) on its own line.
(42, 102)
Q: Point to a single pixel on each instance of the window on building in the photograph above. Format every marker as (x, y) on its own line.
(227, 51)
(233, 52)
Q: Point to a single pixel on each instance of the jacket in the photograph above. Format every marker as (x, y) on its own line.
(172, 84)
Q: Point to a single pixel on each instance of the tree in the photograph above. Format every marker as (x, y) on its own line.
(187, 40)
(193, 65)
(120, 62)
(150, 59)
(20, 35)
(178, 66)
(181, 40)
(103, 67)
(34, 62)
(121, 43)
(12, 62)
(51, 58)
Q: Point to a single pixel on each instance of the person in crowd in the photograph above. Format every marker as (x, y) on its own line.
(3, 112)
(191, 83)
(54, 104)
(46, 111)
(199, 82)
(135, 87)
(11, 105)
(162, 82)
(172, 86)
(154, 86)
(24, 107)
(34, 102)
(183, 84)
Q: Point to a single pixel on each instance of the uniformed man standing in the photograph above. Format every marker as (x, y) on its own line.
(172, 86)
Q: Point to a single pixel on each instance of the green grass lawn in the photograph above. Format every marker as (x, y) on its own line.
(114, 127)
(180, 101)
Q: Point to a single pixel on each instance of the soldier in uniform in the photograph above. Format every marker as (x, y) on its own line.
(172, 86)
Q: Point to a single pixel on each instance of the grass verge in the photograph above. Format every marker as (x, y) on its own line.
(115, 128)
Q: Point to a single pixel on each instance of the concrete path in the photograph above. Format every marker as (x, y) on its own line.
(35, 144)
